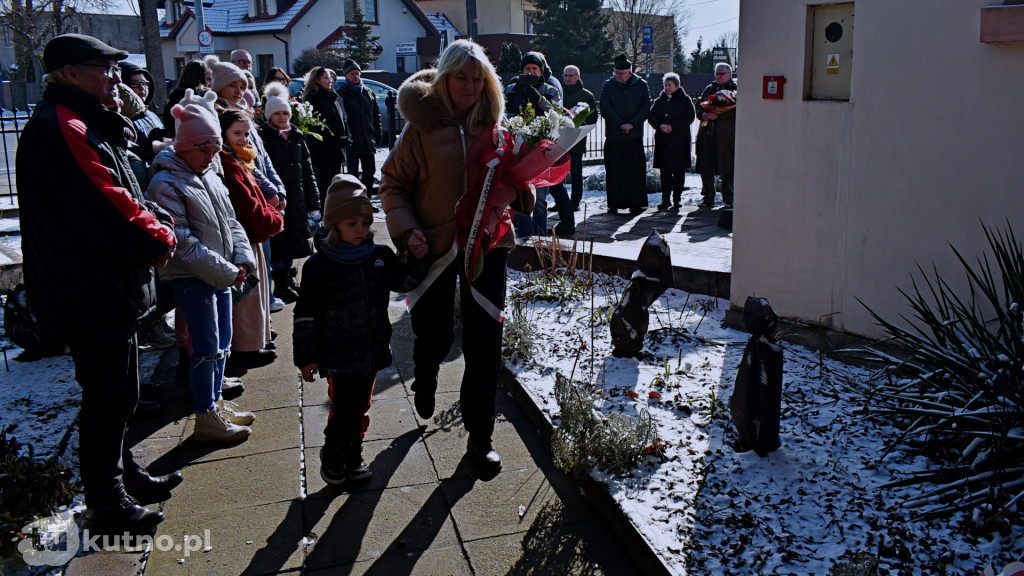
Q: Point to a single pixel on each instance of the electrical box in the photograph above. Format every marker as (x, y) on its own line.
(771, 87)
(830, 51)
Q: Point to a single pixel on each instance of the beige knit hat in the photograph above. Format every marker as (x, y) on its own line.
(345, 199)
(223, 73)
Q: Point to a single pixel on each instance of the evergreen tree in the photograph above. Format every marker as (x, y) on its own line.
(678, 56)
(510, 58)
(362, 47)
(573, 32)
(701, 60)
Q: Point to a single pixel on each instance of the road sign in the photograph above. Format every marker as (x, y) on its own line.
(648, 40)
(405, 49)
(205, 42)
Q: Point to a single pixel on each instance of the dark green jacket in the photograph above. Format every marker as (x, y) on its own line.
(574, 94)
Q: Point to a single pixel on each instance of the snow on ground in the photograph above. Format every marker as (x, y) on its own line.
(706, 509)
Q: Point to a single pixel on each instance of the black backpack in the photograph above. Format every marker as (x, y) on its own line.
(23, 329)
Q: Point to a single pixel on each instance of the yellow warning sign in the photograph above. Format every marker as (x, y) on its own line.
(833, 61)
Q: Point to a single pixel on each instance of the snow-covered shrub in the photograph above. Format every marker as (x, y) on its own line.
(959, 395)
(30, 488)
(518, 343)
(586, 438)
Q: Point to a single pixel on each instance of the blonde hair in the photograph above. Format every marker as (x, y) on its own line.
(491, 105)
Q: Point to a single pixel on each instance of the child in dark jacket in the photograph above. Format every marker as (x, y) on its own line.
(342, 329)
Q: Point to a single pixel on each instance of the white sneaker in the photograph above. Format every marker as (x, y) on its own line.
(232, 413)
(212, 427)
(276, 305)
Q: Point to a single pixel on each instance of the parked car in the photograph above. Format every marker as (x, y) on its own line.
(380, 89)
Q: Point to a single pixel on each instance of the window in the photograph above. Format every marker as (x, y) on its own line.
(369, 8)
(7, 36)
(529, 26)
(264, 62)
(400, 64)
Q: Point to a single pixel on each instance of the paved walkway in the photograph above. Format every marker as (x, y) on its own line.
(427, 510)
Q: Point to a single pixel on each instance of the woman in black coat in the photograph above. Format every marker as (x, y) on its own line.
(671, 116)
(328, 154)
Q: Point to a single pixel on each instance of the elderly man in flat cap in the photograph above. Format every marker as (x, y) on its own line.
(90, 243)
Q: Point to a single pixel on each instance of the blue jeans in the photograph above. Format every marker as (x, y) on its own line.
(538, 223)
(208, 313)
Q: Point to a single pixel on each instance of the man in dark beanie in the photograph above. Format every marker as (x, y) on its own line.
(625, 103)
(363, 123)
(530, 87)
(90, 243)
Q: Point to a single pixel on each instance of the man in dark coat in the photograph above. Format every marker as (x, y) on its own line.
(575, 93)
(716, 140)
(90, 246)
(625, 103)
(363, 122)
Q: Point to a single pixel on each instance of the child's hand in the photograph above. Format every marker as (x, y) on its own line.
(308, 371)
(416, 242)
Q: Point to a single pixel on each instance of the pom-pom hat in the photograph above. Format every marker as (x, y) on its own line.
(349, 66)
(195, 122)
(277, 99)
(345, 199)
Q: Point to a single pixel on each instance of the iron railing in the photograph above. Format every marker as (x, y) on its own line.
(11, 124)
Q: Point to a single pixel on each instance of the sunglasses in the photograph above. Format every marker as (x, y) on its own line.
(139, 84)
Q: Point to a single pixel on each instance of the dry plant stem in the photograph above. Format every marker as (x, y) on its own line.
(593, 286)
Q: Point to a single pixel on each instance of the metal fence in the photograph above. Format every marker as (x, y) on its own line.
(11, 124)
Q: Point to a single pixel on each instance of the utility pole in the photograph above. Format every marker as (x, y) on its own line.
(471, 19)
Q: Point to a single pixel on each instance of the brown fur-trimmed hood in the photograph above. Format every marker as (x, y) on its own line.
(421, 107)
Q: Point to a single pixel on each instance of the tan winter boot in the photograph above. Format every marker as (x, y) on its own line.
(213, 427)
(233, 414)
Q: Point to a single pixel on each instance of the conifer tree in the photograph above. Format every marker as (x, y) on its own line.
(510, 58)
(573, 32)
(363, 44)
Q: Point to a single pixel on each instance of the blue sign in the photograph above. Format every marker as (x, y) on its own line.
(647, 45)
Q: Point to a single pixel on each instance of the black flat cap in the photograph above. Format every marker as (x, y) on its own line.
(77, 48)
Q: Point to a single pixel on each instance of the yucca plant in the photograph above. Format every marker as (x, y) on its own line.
(958, 394)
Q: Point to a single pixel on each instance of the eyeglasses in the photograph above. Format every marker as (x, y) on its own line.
(139, 84)
(722, 74)
(242, 61)
(109, 70)
(570, 75)
(278, 79)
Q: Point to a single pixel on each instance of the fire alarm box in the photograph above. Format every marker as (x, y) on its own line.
(771, 88)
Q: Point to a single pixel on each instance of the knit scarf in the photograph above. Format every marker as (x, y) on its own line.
(246, 156)
(346, 253)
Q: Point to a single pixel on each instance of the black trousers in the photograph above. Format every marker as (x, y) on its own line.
(351, 396)
(673, 181)
(433, 324)
(107, 368)
(363, 156)
(576, 177)
(327, 159)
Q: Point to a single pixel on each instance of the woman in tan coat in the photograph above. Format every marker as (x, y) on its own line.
(432, 165)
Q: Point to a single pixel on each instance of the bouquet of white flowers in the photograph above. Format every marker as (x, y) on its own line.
(306, 120)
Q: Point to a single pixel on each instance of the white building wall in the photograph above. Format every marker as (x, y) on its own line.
(837, 201)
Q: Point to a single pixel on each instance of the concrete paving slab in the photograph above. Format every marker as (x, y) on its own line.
(105, 563)
(554, 548)
(436, 561)
(514, 501)
(273, 430)
(362, 526)
(241, 482)
(257, 540)
(395, 463)
(389, 418)
(447, 450)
